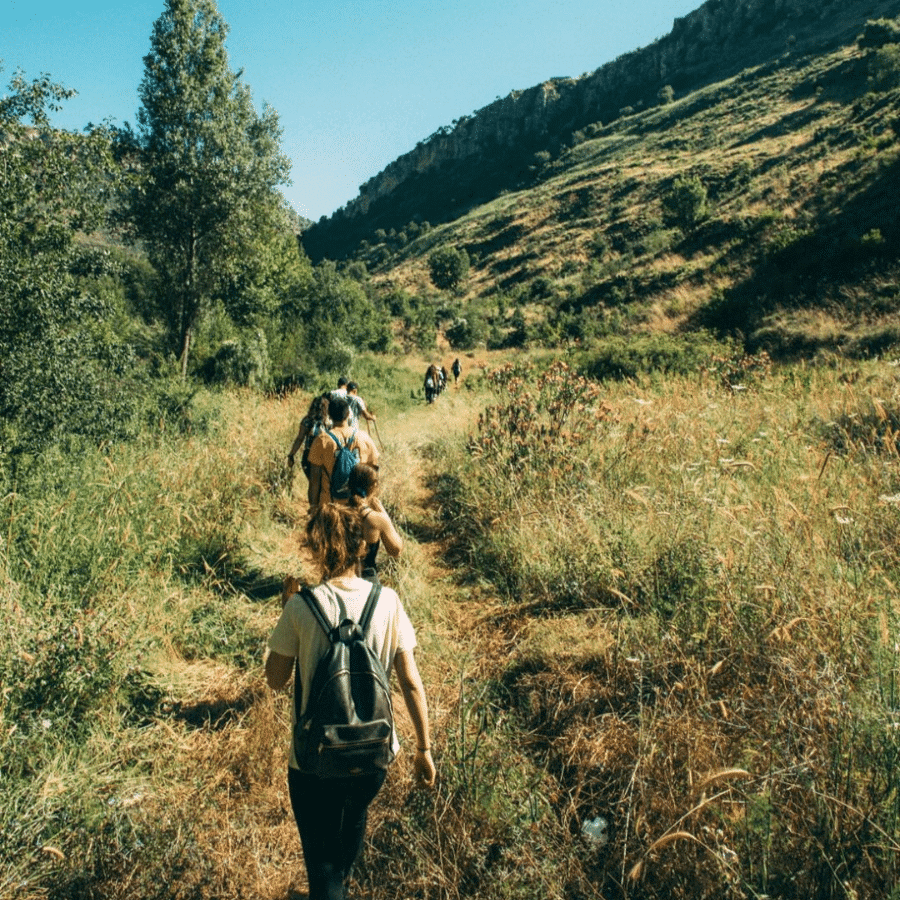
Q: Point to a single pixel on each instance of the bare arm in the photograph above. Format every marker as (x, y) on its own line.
(314, 490)
(298, 441)
(278, 670)
(390, 537)
(414, 696)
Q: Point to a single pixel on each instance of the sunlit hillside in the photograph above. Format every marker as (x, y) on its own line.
(762, 205)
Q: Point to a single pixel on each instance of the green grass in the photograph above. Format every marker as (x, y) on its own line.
(669, 601)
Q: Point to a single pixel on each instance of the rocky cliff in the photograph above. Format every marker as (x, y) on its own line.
(719, 39)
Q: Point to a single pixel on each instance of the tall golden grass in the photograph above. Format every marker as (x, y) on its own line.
(699, 581)
(683, 620)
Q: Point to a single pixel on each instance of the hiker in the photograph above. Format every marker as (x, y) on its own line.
(456, 368)
(324, 450)
(431, 383)
(311, 425)
(442, 379)
(377, 525)
(358, 406)
(341, 389)
(331, 812)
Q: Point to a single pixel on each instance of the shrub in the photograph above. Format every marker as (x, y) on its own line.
(878, 33)
(448, 268)
(884, 67)
(243, 362)
(619, 358)
(685, 203)
(466, 333)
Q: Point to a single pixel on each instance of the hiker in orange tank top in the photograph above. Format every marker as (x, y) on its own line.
(324, 449)
(377, 525)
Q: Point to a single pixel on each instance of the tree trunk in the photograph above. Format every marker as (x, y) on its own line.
(190, 302)
(185, 350)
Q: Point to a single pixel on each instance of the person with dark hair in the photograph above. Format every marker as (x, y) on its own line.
(311, 425)
(456, 368)
(377, 525)
(331, 813)
(358, 406)
(324, 449)
(341, 389)
(431, 383)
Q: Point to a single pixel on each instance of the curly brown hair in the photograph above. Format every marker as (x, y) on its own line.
(334, 534)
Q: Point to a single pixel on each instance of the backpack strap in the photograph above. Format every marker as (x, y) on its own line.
(349, 441)
(316, 609)
(369, 608)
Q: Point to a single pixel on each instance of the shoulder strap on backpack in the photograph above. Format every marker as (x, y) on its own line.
(369, 608)
(348, 442)
(316, 609)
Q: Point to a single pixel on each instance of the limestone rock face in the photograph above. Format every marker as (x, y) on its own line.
(717, 40)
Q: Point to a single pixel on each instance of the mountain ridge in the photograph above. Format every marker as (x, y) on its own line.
(718, 40)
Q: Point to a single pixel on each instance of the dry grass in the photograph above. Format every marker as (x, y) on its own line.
(716, 687)
(707, 688)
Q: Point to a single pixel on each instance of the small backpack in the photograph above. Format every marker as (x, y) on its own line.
(347, 727)
(345, 459)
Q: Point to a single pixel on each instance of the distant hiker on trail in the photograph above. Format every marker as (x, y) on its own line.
(431, 383)
(331, 812)
(358, 406)
(311, 425)
(341, 389)
(323, 455)
(442, 379)
(456, 368)
(377, 525)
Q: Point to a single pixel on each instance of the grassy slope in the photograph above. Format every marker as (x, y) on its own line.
(800, 163)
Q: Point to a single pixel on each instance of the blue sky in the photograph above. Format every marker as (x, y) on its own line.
(355, 83)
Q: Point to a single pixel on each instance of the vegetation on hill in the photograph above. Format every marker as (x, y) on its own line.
(759, 207)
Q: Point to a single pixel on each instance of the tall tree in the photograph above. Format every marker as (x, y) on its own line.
(211, 167)
(60, 370)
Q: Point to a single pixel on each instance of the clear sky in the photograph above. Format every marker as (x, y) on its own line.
(356, 83)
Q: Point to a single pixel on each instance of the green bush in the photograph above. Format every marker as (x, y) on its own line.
(619, 358)
(884, 67)
(878, 33)
(241, 362)
(466, 333)
(448, 268)
(685, 204)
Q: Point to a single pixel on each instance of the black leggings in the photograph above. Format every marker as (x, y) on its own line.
(331, 818)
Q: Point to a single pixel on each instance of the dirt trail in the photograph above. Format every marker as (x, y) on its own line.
(444, 614)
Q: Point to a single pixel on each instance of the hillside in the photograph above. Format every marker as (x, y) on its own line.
(796, 157)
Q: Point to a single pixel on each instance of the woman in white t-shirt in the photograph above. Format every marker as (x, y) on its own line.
(331, 813)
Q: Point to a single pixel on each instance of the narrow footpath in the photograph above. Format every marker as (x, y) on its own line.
(446, 617)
